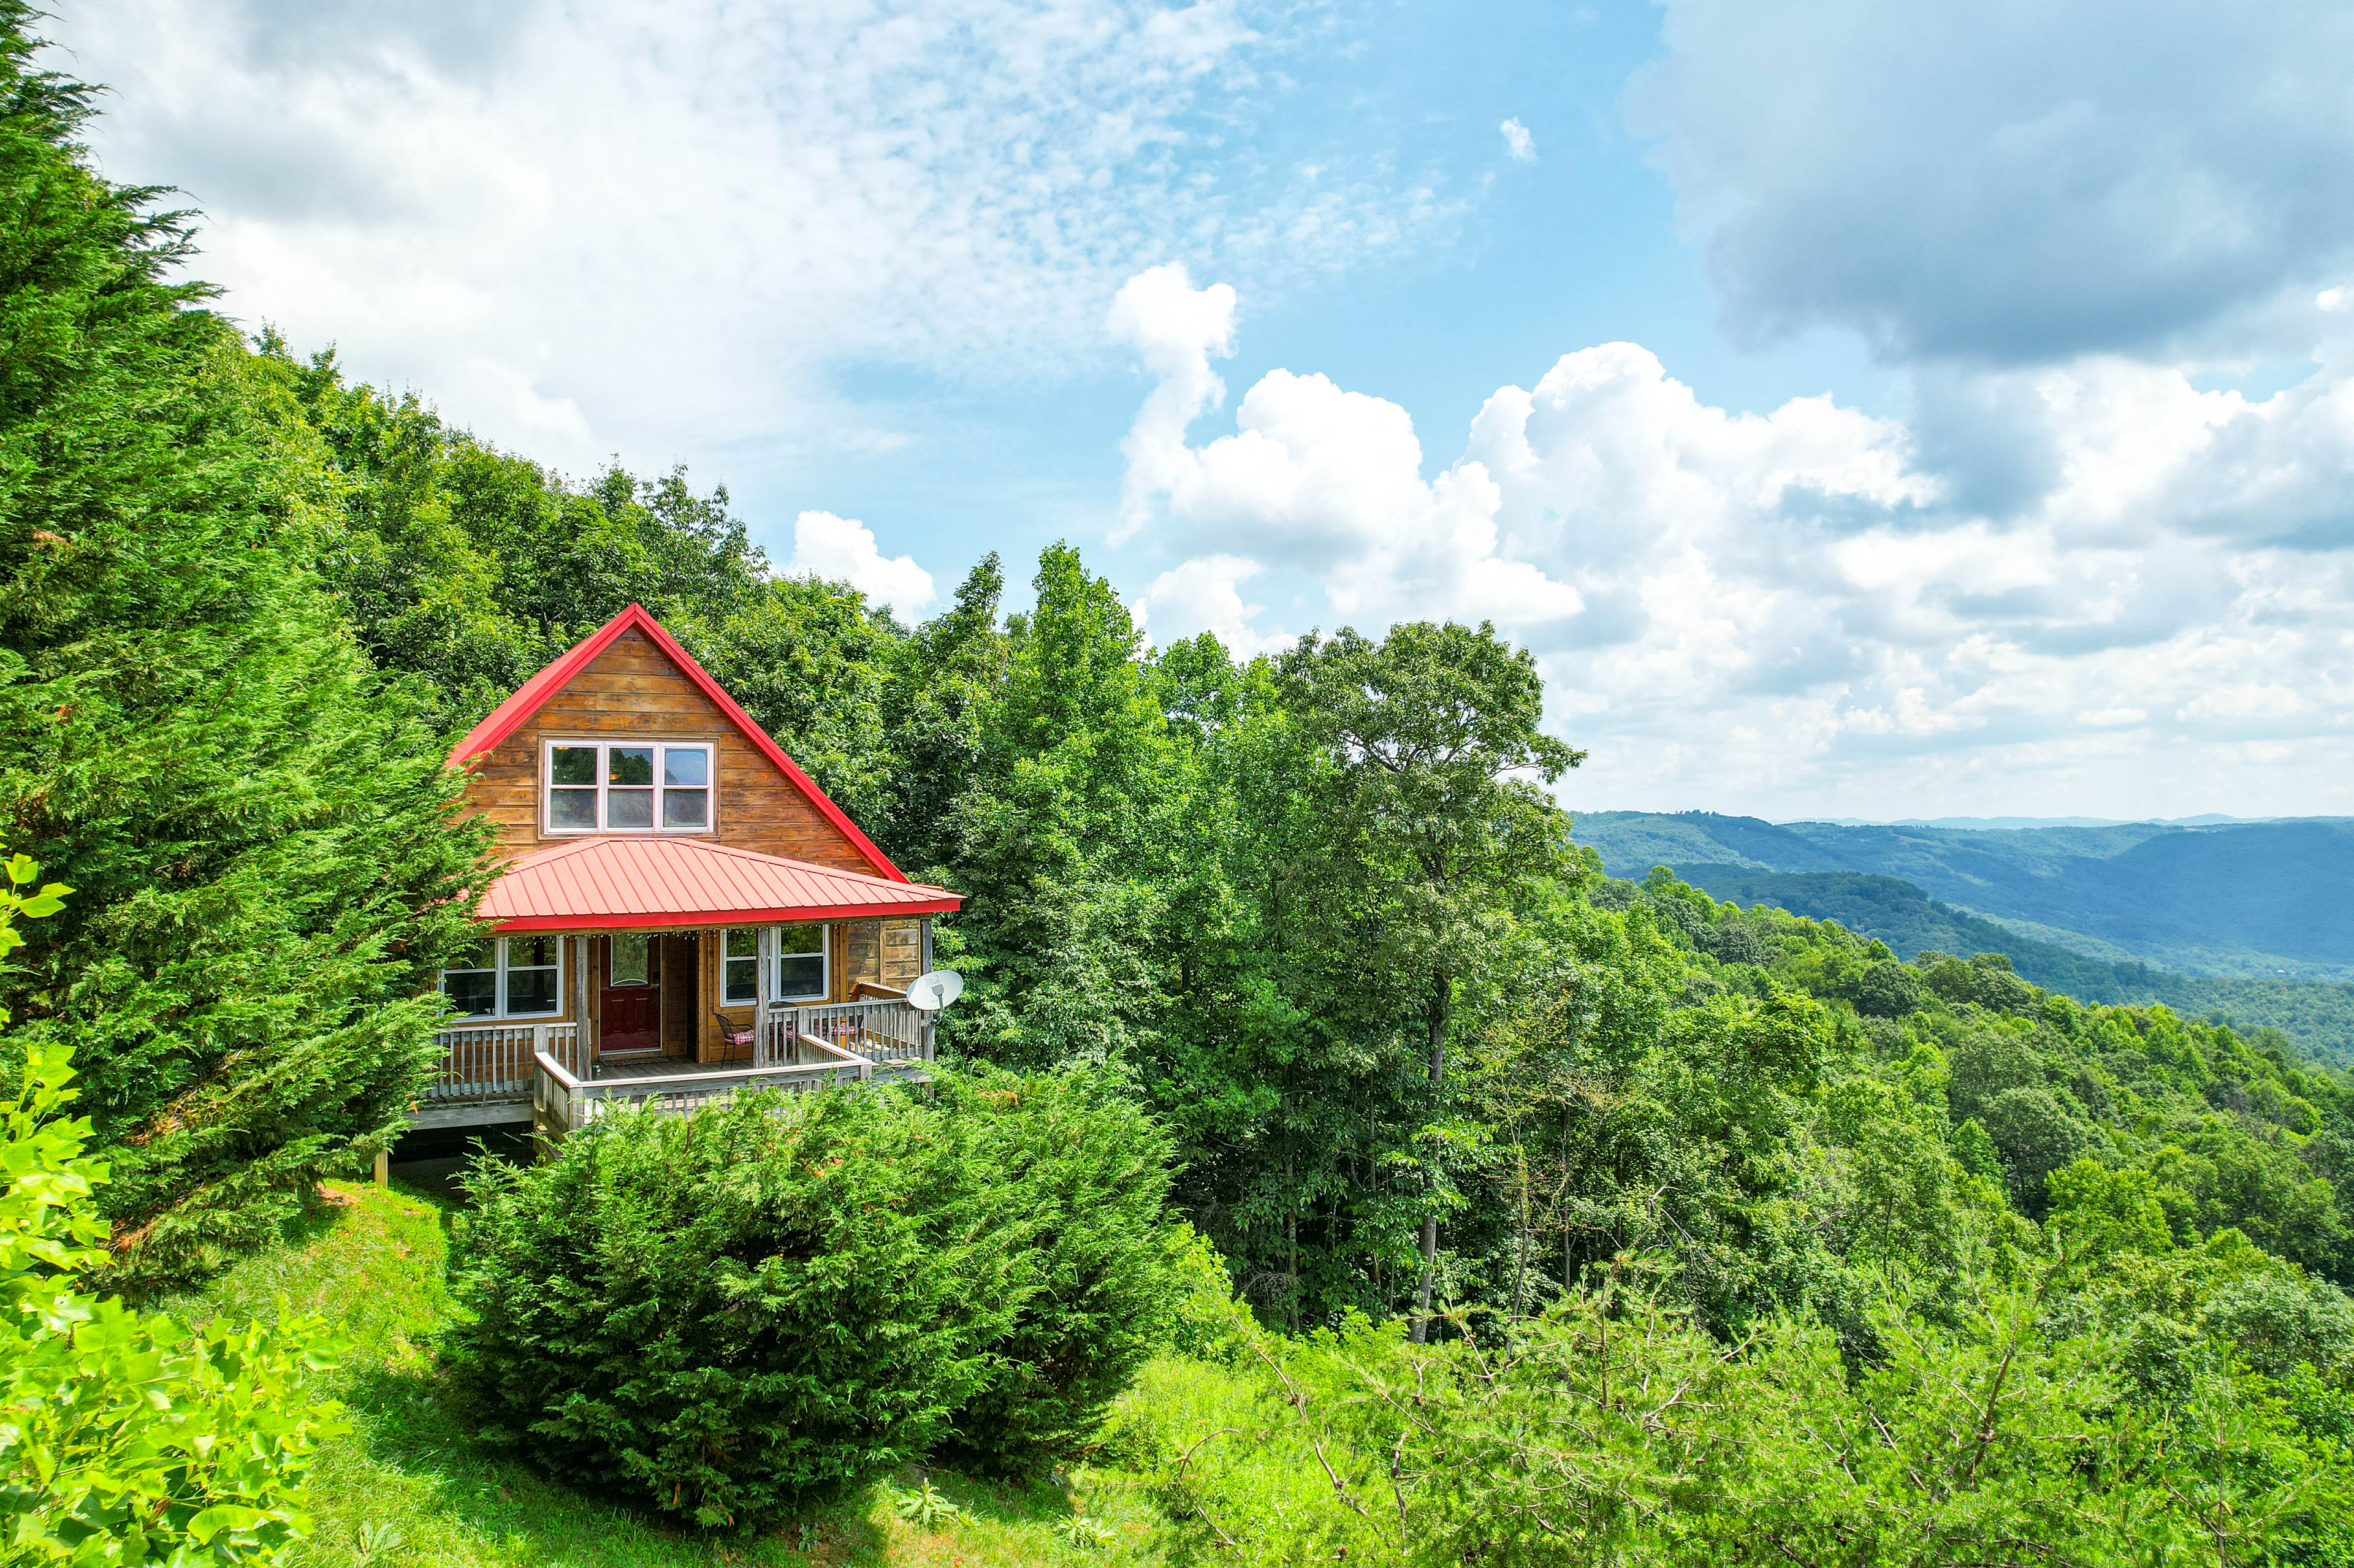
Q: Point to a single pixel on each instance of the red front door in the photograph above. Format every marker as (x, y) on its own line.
(632, 1018)
(629, 1004)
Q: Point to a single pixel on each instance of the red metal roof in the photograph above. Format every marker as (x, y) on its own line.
(651, 884)
(533, 694)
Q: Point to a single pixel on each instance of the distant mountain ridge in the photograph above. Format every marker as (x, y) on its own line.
(2212, 819)
(2245, 899)
(2252, 919)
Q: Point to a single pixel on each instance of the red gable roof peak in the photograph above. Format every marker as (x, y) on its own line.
(533, 696)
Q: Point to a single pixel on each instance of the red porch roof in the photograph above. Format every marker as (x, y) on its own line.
(651, 883)
(533, 696)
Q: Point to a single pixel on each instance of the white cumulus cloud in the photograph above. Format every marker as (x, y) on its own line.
(1800, 610)
(1518, 143)
(1311, 474)
(842, 549)
(1206, 595)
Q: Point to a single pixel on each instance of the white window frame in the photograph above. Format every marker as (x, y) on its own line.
(777, 957)
(499, 985)
(759, 963)
(602, 744)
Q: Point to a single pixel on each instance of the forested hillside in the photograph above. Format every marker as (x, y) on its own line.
(1351, 958)
(2318, 1015)
(1315, 919)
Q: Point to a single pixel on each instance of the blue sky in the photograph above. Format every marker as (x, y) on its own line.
(1860, 410)
(1576, 246)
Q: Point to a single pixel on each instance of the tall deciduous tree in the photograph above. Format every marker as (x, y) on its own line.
(1435, 752)
(943, 680)
(260, 829)
(1064, 836)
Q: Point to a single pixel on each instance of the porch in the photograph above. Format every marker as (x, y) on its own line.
(675, 972)
(497, 1072)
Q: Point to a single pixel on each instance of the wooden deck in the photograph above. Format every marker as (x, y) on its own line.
(656, 1066)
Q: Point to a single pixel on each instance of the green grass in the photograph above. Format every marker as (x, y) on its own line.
(408, 1486)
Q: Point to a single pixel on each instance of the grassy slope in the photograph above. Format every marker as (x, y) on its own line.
(409, 1488)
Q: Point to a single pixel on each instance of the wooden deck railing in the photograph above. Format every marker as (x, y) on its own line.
(562, 1101)
(483, 1063)
(885, 1030)
(799, 1047)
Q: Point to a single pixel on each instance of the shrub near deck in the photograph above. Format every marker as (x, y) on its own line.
(736, 1314)
(1093, 1171)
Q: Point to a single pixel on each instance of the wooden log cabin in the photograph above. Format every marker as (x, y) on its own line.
(682, 912)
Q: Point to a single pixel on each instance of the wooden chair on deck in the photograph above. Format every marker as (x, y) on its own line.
(736, 1037)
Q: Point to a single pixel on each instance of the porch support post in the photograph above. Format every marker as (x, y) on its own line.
(924, 1021)
(765, 945)
(584, 1040)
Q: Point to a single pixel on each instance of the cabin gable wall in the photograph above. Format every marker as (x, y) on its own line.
(633, 690)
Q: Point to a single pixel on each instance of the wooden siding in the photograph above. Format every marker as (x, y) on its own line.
(632, 691)
(903, 953)
(858, 946)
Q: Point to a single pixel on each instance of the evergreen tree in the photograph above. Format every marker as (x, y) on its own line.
(259, 829)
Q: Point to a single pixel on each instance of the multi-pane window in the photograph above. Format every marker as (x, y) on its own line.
(799, 959)
(800, 963)
(686, 787)
(534, 974)
(627, 787)
(740, 962)
(507, 977)
(472, 981)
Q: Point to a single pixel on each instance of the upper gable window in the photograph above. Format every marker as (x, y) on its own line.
(618, 786)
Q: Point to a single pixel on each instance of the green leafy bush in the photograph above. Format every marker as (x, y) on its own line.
(124, 1438)
(1616, 1430)
(1091, 1174)
(734, 1315)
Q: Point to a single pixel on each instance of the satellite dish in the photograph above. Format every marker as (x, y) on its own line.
(934, 990)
